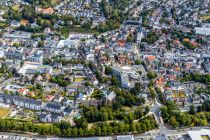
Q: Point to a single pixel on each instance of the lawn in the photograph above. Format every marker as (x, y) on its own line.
(4, 112)
(16, 7)
(78, 79)
(3, 24)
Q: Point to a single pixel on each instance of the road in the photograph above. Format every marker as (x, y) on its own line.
(163, 130)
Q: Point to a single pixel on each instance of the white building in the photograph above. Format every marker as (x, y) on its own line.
(2, 53)
(32, 68)
(70, 43)
(203, 134)
(125, 137)
(205, 30)
(124, 74)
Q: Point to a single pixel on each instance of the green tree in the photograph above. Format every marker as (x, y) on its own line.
(173, 122)
(138, 62)
(151, 75)
(192, 110)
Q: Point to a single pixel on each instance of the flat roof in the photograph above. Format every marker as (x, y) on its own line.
(203, 134)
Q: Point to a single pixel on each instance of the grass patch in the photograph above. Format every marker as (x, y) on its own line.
(64, 31)
(3, 24)
(16, 7)
(78, 79)
(4, 112)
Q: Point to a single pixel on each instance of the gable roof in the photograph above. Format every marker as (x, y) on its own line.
(53, 105)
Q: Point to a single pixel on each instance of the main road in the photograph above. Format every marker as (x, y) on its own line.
(163, 130)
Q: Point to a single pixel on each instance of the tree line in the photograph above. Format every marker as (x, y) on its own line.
(173, 116)
(64, 129)
(202, 78)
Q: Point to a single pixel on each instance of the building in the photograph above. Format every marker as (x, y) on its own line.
(35, 57)
(48, 10)
(176, 94)
(18, 35)
(133, 22)
(124, 74)
(203, 134)
(205, 30)
(49, 118)
(110, 96)
(125, 137)
(33, 68)
(58, 98)
(15, 54)
(27, 103)
(68, 112)
(140, 35)
(69, 43)
(14, 23)
(53, 107)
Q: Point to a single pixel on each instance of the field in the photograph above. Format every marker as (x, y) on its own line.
(4, 112)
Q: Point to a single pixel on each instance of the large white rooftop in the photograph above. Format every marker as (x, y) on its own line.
(203, 134)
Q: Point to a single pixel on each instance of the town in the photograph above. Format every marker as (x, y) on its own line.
(116, 69)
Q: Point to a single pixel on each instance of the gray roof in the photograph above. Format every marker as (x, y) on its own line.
(42, 116)
(27, 100)
(68, 110)
(54, 116)
(53, 105)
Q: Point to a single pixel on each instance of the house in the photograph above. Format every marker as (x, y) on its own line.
(53, 107)
(24, 22)
(14, 23)
(47, 30)
(89, 91)
(68, 112)
(80, 97)
(28, 103)
(49, 10)
(49, 98)
(177, 94)
(67, 101)
(23, 91)
(13, 88)
(6, 98)
(55, 118)
(49, 118)
(98, 20)
(30, 94)
(44, 118)
(160, 81)
(58, 98)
